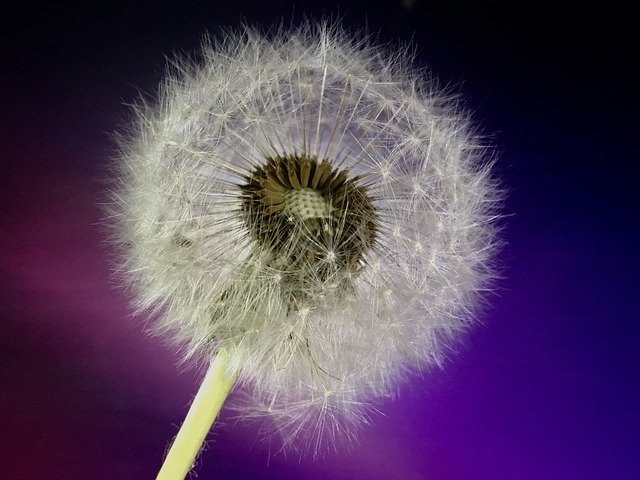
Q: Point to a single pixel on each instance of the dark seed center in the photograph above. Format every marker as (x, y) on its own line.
(316, 222)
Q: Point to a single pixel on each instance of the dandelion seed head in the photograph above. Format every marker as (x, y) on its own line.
(314, 205)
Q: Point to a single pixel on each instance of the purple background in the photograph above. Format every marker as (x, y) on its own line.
(546, 387)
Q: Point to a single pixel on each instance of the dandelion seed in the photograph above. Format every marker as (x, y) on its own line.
(314, 207)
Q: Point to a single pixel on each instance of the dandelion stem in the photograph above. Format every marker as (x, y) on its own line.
(202, 413)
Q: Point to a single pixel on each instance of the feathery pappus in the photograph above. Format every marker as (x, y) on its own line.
(316, 206)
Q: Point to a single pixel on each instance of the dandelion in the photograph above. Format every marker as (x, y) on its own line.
(313, 206)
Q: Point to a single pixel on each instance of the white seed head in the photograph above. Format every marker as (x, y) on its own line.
(315, 206)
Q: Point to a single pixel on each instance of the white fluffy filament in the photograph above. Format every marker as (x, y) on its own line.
(191, 254)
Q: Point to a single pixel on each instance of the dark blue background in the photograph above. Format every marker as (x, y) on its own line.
(545, 388)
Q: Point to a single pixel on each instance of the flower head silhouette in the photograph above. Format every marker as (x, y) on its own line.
(313, 205)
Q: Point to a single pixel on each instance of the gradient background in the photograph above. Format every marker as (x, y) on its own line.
(545, 388)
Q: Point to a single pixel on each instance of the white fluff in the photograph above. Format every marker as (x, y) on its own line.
(189, 256)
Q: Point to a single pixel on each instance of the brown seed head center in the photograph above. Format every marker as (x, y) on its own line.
(315, 221)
